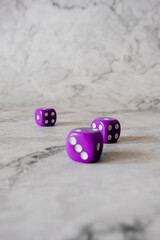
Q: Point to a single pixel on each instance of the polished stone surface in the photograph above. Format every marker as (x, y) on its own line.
(87, 59)
(45, 195)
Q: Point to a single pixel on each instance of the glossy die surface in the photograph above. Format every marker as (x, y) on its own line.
(110, 128)
(45, 117)
(84, 145)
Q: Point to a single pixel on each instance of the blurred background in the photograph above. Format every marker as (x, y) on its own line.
(93, 55)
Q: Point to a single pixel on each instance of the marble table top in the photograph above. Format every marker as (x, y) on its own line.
(46, 195)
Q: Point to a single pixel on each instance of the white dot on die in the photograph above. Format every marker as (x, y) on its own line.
(110, 127)
(84, 155)
(78, 148)
(46, 121)
(100, 127)
(46, 114)
(73, 141)
(117, 126)
(109, 137)
(78, 130)
(37, 117)
(94, 125)
(98, 146)
(52, 114)
(52, 121)
(116, 135)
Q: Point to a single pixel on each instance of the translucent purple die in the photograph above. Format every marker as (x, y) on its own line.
(45, 117)
(84, 145)
(109, 127)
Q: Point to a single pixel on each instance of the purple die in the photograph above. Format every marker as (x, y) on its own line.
(84, 145)
(109, 127)
(45, 117)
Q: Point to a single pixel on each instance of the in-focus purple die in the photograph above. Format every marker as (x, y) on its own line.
(84, 145)
(45, 117)
(109, 127)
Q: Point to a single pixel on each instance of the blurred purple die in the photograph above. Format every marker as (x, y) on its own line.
(84, 145)
(109, 127)
(45, 117)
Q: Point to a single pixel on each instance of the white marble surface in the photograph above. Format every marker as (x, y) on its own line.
(87, 59)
